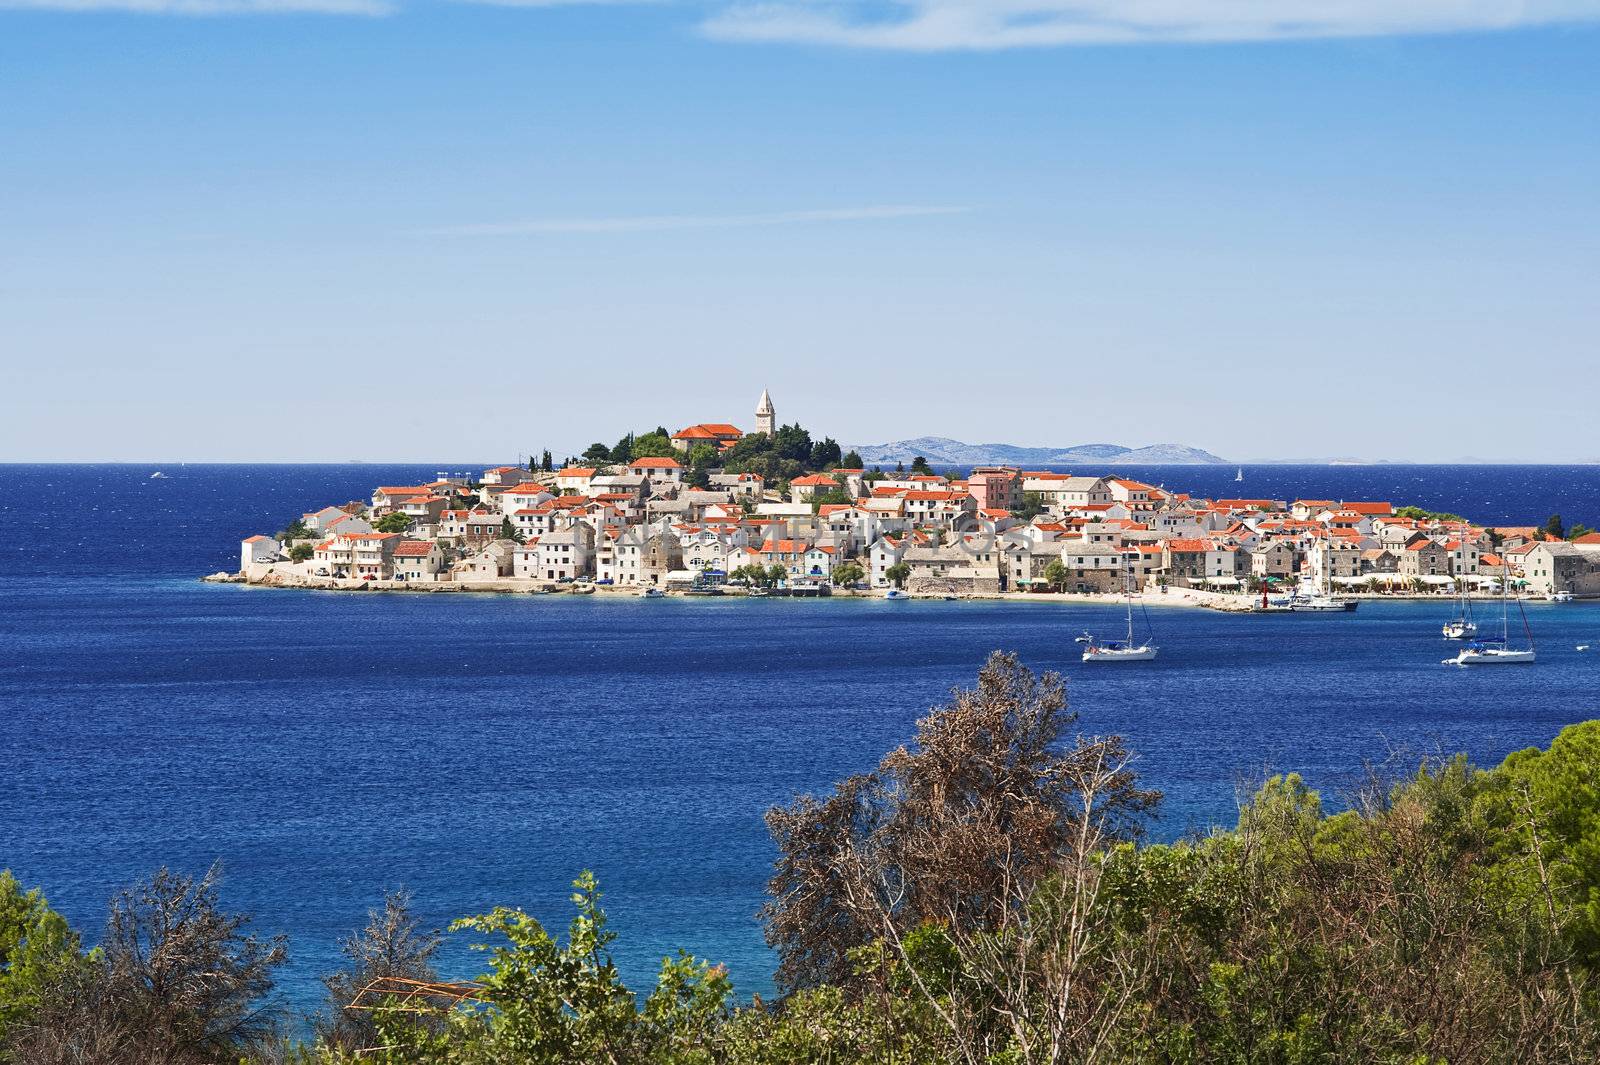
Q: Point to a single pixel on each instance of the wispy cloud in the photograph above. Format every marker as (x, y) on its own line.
(946, 25)
(206, 8)
(658, 223)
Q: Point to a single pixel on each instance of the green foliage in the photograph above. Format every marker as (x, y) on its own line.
(846, 574)
(1055, 574)
(786, 454)
(545, 1002)
(752, 574)
(851, 461)
(509, 531)
(830, 497)
(296, 530)
(1554, 529)
(1577, 530)
(37, 951)
(825, 453)
(1032, 506)
(656, 445)
(301, 552)
(1554, 795)
(1418, 514)
(898, 574)
(394, 522)
(596, 452)
(919, 465)
(777, 573)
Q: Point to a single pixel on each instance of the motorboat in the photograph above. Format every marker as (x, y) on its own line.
(895, 593)
(1318, 601)
(1561, 597)
(652, 593)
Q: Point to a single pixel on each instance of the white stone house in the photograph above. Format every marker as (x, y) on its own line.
(258, 550)
(567, 553)
(418, 561)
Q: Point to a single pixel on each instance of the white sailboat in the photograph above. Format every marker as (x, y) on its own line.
(1115, 650)
(1497, 650)
(1462, 627)
(1240, 475)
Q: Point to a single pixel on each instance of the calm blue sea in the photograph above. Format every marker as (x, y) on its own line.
(482, 750)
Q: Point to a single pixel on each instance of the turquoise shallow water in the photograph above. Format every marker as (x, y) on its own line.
(482, 750)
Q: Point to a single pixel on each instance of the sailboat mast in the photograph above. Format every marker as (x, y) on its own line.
(1127, 592)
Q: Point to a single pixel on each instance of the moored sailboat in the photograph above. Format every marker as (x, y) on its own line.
(1126, 650)
(1497, 650)
(1461, 626)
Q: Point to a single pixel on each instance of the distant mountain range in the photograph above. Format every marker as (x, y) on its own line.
(943, 451)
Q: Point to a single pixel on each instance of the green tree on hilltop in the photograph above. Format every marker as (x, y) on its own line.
(1553, 529)
(393, 522)
(825, 453)
(656, 445)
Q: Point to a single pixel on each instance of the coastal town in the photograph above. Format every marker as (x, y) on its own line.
(711, 510)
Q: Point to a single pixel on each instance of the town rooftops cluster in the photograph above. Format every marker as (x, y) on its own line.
(996, 529)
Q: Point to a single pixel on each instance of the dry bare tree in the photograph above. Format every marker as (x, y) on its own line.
(956, 833)
(393, 944)
(177, 981)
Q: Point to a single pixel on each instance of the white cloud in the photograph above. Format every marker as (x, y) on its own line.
(657, 223)
(209, 7)
(943, 25)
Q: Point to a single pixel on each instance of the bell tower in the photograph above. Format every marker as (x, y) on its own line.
(766, 417)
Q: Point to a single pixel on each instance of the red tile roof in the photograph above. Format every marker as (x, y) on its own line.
(708, 431)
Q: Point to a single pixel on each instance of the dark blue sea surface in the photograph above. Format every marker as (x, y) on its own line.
(482, 749)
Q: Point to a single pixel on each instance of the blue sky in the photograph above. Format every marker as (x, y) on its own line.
(393, 230)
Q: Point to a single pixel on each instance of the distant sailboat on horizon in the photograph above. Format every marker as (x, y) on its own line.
(1240, 475)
